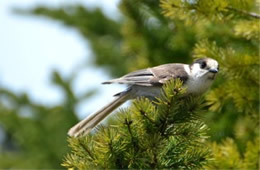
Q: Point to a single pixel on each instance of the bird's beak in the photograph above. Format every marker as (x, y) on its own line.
(213, 70)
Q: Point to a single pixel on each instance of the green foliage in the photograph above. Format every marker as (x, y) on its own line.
(216, 10)
(234, 102)
(248, 29)
(241, 75)
(146, 135)
(236, 93)
(227, 156)
(166, 133)
(35, 134)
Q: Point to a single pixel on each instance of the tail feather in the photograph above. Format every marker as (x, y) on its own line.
(87, 124)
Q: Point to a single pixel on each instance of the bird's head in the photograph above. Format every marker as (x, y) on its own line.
(204, 67)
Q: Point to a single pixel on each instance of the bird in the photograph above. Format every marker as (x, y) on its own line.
(197, 77)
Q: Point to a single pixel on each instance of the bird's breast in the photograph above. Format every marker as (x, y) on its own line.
(194, 86)
(198, 85)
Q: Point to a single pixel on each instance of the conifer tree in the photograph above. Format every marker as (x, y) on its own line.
(149, 33)
(166, 133)
(236, 95)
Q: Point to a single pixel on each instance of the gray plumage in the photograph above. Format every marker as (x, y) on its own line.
(152, 76)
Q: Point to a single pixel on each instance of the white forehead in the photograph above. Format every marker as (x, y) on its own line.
(212, 63)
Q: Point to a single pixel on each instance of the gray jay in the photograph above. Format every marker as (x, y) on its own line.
(196, 77)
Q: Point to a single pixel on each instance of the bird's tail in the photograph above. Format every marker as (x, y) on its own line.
(87, 124)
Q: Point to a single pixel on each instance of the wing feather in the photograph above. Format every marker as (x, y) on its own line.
(139, 77)
(152, 76)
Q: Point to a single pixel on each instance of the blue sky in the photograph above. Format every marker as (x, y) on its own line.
(31, 47)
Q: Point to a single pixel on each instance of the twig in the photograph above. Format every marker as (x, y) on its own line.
(86, 149)
(250, 14)
(135, 145)
(144, 114)
(128, 123)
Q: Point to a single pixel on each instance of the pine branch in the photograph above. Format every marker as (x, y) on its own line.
(134, 143)
(86, 149)
(183, 6)
(139, 141)
(145, 115)
(243, 12)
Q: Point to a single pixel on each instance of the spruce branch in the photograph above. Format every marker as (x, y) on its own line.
(204, 9)
(86, 149)
(168, 97)
(133, 140)
(148, 136)
(145, 116)
(243, 12)
(128, 123)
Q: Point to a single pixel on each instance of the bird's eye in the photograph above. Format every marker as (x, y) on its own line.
(203, 65)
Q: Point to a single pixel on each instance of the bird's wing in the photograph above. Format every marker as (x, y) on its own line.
(139, 77)
(166, 72)
(152, 76)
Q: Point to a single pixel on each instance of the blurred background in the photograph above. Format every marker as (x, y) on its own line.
(55, 53)
(37, 55)
(33, 47)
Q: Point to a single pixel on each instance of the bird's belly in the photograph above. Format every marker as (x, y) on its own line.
(146, 91)
(197, 86)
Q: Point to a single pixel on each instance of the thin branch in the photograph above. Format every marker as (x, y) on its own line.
(243, 12)
(155, 161)
(250, 14)
(144, 114)
(86, 149)
(135, 145)
(165, 121)
(128, 123)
